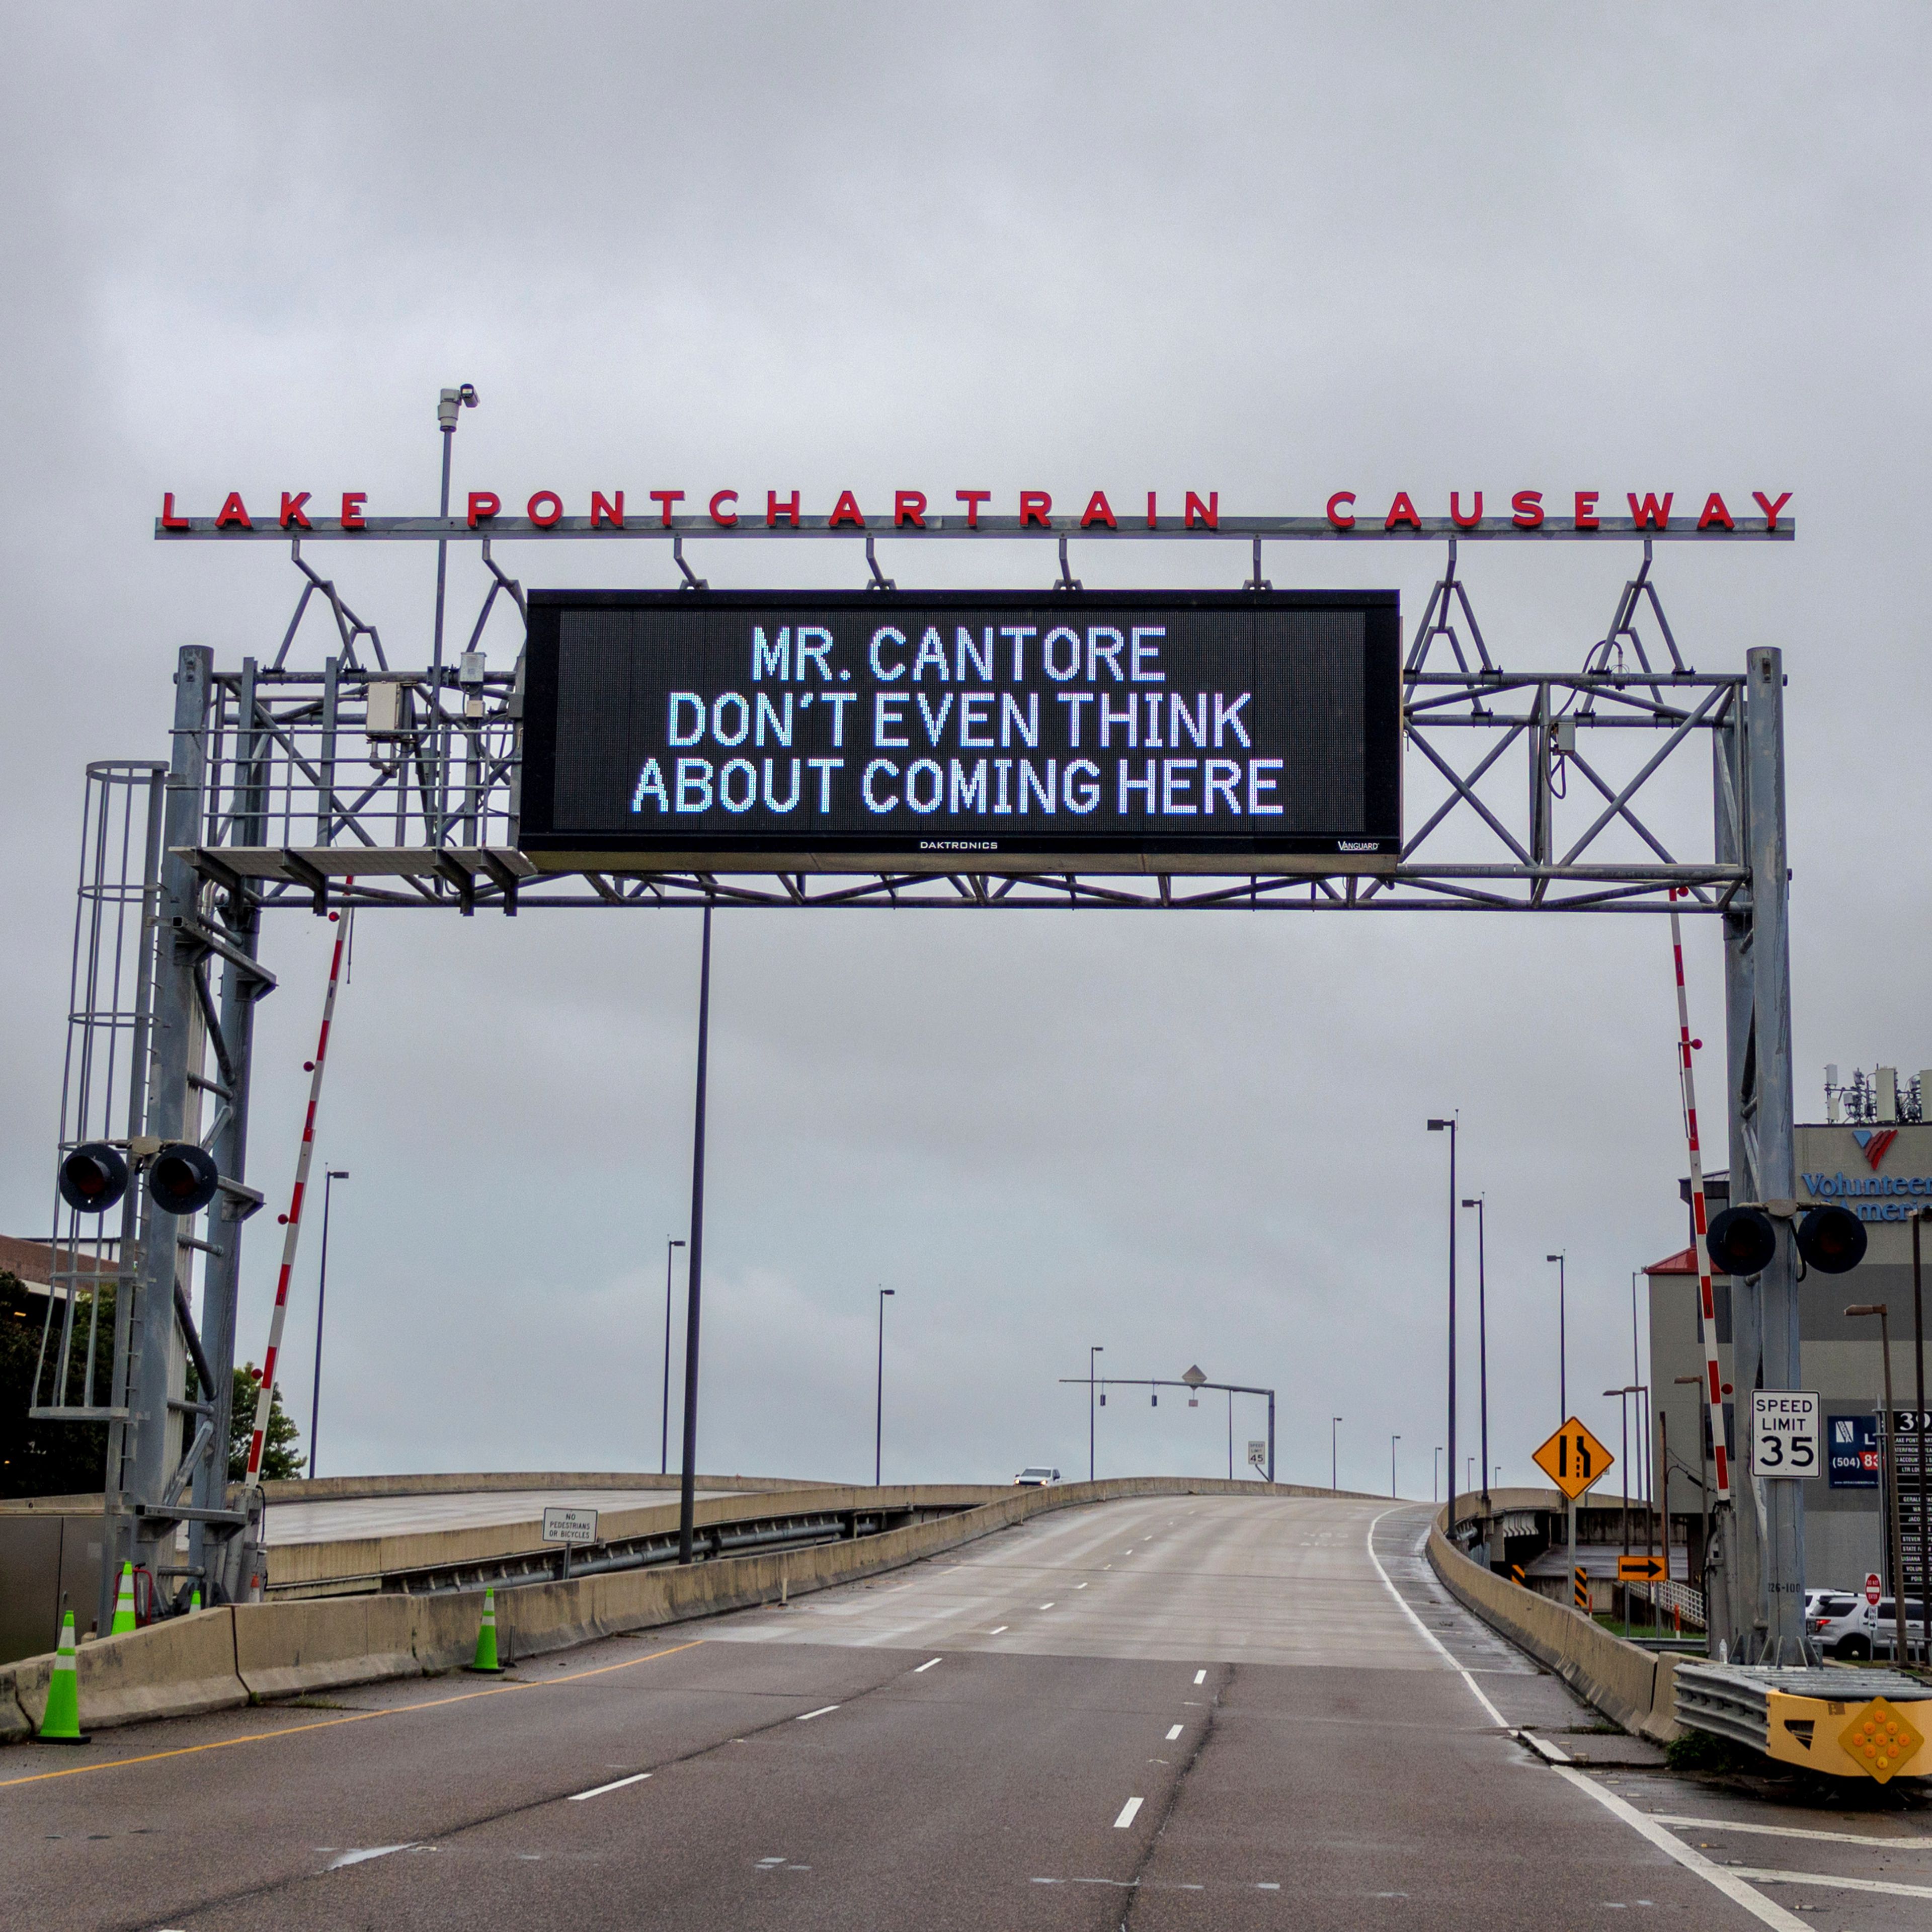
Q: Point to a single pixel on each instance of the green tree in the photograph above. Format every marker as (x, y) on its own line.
(50, 1459)
(281, 1457)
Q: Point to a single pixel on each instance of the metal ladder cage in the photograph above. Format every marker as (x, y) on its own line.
(104, 1083)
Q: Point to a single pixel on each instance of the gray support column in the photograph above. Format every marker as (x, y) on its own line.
(1733, 1564)
(176, 1029)
(1776, 1164)
(241, 918)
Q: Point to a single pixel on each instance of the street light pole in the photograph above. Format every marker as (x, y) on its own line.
(1483, 1337)
(1393, 1441)
(1098, 1348)
(1334, 1453)
(331, 1175)
(687, 1502)
(663, 1445)
(1562, 1344)
(1882, 1310)
(1449, 1126)
(879, 1413)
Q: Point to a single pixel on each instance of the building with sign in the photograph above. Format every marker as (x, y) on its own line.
(1882, 1169)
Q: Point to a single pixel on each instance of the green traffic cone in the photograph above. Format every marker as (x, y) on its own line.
(124, 1602)
(486, 1639)
(60, 1722)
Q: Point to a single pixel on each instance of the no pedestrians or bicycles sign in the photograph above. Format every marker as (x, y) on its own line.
(569, 1525)
(1573, 1459)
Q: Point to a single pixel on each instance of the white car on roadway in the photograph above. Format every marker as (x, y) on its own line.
(1843, 1625)
(1036, 1476)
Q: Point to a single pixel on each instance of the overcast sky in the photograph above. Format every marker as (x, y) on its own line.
(1274, 252)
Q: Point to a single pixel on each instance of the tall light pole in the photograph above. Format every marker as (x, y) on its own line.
(1882, 1309)
(687, 1500)
(1448, 1126)
(450, 405)
(879, 1412)
(664, 1446)
(1483, 1337)
(331, 1176)
(1562, 1346)
(1098, 1348)
(1334, 1453)
(1393, 1441)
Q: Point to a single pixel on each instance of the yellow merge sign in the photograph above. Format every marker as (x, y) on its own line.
(1573, 1459)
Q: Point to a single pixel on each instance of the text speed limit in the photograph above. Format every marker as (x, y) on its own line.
(1784, 1432)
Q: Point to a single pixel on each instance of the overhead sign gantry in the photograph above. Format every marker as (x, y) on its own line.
(1417, 776)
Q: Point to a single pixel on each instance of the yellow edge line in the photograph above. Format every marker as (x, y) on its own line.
(358, 1717)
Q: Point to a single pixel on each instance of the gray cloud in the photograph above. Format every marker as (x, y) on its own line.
(1273, 252)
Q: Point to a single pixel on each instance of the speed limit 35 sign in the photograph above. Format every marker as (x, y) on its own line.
(1784, 1432)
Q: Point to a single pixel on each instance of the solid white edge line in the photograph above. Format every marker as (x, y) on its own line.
(1126, 1816)
(919, 1667)
(1727, 1880)
(1892, 1886)
(1794, 1832)
(1733, 1888)
(1435, 1642)
(1550, 1753)
(807, 1716)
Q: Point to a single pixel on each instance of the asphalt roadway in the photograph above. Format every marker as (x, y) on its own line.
(1178, 1712)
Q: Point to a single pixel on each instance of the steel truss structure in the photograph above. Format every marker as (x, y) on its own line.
(1628, 782)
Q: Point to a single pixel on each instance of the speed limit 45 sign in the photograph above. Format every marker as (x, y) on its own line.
(1784, 1432)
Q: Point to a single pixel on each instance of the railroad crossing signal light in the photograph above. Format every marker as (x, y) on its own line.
(1641, 1570)
(1832, 1240)
(182, 1178)
(1741, 1241)
(94, 1177)
(1573, 1459)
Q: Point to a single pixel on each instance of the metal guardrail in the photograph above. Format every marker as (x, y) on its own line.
(1733, 1700)
(740, 1537)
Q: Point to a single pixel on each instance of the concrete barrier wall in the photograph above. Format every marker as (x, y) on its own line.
(227, 1657)
(307, 1566)
(177, 1668)
(1632, 1687)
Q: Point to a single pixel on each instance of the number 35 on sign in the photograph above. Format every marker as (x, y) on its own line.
(1784, 1432)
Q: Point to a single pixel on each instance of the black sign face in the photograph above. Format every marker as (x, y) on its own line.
(1210, 732)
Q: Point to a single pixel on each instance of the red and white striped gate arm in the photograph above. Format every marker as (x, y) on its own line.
(1707, 1299)
(292, 1220)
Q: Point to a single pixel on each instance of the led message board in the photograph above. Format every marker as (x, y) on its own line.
(1224, 731)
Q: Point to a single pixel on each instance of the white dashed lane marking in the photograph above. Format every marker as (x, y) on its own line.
(823, 1710)
(1126, 1816)
(1201, 1677)
(617, 1784)
(1173, 1733)
(924, 1666)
